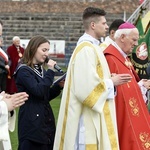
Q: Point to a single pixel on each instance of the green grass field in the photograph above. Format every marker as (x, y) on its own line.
(55, 106)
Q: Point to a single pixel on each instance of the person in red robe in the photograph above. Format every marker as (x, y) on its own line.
(15, 53)
(133, 119)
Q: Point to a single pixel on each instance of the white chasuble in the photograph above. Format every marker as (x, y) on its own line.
(87, 118)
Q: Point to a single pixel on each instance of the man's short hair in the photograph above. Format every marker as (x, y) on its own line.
(91, 14)
(115, 24)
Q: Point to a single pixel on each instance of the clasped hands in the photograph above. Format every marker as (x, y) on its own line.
(15, 100)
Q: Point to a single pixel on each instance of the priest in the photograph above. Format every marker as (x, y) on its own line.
(133, 119)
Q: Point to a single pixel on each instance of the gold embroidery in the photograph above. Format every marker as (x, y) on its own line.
(99, 69)
(134, 107)
(91, 147)
(110, 129)
(107, 115)
(145, 139)
(65, 117)
(67, 105)
(128, 64)
(94, 95)
(137, 65)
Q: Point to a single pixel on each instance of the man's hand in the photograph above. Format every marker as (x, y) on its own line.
(119, 79)
(15, 100)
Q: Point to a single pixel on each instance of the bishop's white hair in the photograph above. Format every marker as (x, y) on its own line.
(119, 32)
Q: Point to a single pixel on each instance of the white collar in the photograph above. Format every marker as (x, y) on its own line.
(87, 37)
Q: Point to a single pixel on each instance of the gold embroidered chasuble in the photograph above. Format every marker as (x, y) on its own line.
(85, 96)
(133, 120)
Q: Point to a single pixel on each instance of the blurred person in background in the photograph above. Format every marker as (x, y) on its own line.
(4, 67)
(15, 53)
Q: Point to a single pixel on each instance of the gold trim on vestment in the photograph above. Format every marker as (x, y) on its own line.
(107, 114)
(91, 147)
(67, 102)
(110, 128)
(94, 95)
(65, 117)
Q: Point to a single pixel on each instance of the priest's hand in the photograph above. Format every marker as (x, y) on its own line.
(119, 79)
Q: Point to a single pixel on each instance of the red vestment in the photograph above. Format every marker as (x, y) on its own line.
(133, 119)
(14, 58)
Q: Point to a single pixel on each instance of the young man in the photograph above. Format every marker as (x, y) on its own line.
(87, 112)
(132, 115)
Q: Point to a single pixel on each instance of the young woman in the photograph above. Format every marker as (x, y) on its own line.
(36, 124)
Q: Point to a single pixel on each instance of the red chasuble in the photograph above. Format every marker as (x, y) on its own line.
(14, 56)
(133, 119)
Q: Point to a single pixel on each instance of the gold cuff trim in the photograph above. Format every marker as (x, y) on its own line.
(95, 94)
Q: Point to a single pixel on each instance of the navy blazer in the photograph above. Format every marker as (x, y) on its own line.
(36, 120)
